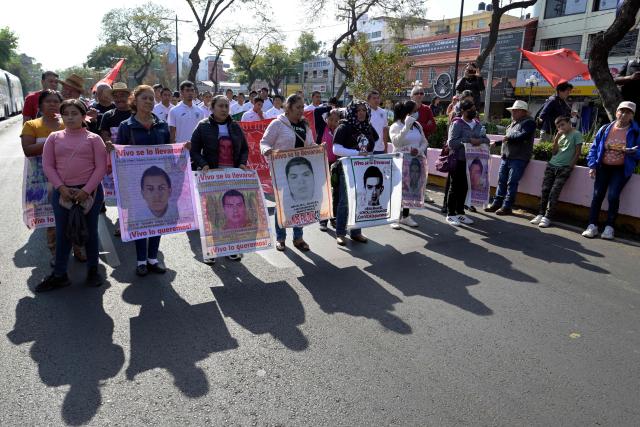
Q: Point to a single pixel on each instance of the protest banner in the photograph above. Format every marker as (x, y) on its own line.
(477, 174)
(374, 189)
(232, 213)
(253, 131)
(155, 190)
(37, 211)
(109, 188)
(414, 180)
(301, 184)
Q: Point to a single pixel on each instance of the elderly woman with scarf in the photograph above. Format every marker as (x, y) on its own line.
(354, 137)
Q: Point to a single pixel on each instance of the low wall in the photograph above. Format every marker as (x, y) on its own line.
(576, 194)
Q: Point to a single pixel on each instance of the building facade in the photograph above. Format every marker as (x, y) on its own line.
(319, 74)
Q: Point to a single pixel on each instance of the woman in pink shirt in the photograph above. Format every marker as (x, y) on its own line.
(74, 161)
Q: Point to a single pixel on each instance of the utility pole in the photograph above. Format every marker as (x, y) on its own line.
(489, 87)
(455, 73)
(177, 50)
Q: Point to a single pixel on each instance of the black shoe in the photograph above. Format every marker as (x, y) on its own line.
(504, 211)
(492, 207)
(332, 221)
(472, 209)
(235, 257)
(210, 261)
(53, 282)
(156, 268)
(141, 270)
(94, 279)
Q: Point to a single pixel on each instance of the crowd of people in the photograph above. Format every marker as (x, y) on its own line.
(74, 136)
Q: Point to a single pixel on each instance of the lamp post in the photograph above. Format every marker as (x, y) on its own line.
(531, 81)
(455, 73)
(177, 51)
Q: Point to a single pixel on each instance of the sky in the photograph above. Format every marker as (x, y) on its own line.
(70, 42)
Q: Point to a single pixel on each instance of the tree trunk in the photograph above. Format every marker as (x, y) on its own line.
(341, 89)
(194, 56)
(603, 42)
(496, 16)
(141, 73)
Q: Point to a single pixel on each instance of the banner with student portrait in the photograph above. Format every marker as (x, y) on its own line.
(37, 211)
(253, 131)
(374, 189)
(414, 180)
(155, 190)
(302, 185)
(232, 213)
(109, 188)
(478, 159)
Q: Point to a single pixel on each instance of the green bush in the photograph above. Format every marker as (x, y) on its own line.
(439, 137)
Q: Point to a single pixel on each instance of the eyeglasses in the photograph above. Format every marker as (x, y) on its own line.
(419, 93)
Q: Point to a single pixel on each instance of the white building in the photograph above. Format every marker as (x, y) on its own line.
(319, 74)
(380, 30)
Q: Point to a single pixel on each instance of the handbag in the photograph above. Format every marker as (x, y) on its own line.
(447, 161)
(77, 230)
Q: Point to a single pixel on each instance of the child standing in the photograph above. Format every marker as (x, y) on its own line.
(567, 145)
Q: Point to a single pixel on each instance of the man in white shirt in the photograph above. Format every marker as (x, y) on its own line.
(316, 100)
(164, 106)
(240, 106)
(229, 94)
(267, 104)
(184, 117)
(277, 109)
(255, 114)
(378, 121)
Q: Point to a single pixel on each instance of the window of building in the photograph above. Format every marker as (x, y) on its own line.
(315, 74)
(325, 74)
(419, 74)
(306, 75)
(432, 74)
(625, 47)
(604, 4)
(482, 23)
(571, 42)
(557, 8)
(374, 35)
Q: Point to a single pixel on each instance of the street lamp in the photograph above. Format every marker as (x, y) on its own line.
(531, 81)
(177, 51)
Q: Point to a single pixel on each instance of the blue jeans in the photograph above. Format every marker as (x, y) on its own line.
(143, 253)
(63, 245)
(511, 170)
(281, 233)
(343, 209)
(613, 179)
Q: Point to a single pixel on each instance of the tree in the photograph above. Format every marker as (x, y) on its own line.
(206, 13)
(273, 64)
(141, 28)
(106, 55)
(603, 42)
(352, 11)
(307, 48)
(375, 68)
(8, 45)
(246, 54)
(494, 26)
(221, 41)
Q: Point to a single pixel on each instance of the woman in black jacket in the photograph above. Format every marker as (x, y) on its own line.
(218, 143)
(354, 137)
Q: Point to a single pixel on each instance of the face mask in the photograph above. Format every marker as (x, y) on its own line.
(470, 115)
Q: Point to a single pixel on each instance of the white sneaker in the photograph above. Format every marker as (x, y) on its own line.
(465, 220)
(537, 219)
(396, 226)
(453, 220)
(408, 221)
(591, 231)
(544, 222)
(608, 233)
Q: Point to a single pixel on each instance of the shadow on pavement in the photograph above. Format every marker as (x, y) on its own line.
(173, 335)
(349, 291)
(450, 244)
(73, 345)
(259, 307)
(416, 274)
(34, 253)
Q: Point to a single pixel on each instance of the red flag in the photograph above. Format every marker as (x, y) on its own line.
(558, 66)
(111, 75)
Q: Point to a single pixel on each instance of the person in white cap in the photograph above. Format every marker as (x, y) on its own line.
(612, 158)
(517, 148)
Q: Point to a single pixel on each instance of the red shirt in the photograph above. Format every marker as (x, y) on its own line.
(30, 108)
(426, 120)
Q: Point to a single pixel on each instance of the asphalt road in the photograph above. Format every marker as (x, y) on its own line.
(496, 324)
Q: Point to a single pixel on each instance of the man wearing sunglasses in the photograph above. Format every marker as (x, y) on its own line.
(472, 80)
(423, 113)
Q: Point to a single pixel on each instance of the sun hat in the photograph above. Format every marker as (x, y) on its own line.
(519, 105)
